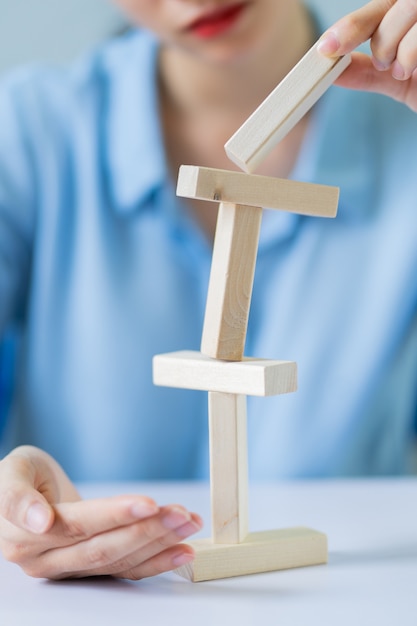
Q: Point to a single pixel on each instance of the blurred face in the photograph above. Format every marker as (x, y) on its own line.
(215, 29)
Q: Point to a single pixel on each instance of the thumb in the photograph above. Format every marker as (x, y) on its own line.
(21, 503)
(354, 29)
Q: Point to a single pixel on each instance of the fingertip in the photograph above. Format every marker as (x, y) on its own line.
(380, 65)
(186, 555)
(145, 507)
(398, 72)
(39, 518)
(329, 44)
(197, 519)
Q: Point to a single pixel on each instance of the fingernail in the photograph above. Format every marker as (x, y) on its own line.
(329, 43)
(37, 518)
(175, 518)
(398, 71)
(182, 559)
(143, 509)
(187, 529)
(380, 65)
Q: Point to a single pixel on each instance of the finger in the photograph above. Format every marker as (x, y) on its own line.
(77, 521)
(125, 567)
(406, 61)
(121, 549)
(362, 75)
(160, 563)
(98, 554)
(394, 26)
(354, 29)
(21, 504)
(74, 523)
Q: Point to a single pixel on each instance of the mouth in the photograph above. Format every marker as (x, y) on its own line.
(216, 22)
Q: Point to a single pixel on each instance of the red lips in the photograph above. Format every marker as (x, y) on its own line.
(217, 22)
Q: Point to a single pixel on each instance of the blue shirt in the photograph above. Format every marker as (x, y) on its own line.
(101, 267)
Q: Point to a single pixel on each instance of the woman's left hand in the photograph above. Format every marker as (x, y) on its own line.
(391, 27)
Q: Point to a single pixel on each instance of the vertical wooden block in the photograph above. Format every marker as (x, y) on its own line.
(228, 467)
(231, 281)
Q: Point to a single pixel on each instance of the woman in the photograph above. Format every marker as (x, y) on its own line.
(106, 268)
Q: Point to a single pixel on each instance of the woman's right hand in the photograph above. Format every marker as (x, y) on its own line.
(50, 532)
(391, 27)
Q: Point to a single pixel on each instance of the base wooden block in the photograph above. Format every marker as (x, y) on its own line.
(265, 551)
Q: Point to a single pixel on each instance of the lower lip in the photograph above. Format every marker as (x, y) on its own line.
(218, 26)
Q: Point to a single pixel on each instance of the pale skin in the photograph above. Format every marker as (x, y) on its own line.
(391, 27)
(45, 526)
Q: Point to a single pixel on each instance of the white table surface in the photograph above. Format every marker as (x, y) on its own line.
(371, 577)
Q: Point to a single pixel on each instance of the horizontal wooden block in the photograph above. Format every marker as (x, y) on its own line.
(205, 183)
(260, 552)
(283, 108)
(250, 377)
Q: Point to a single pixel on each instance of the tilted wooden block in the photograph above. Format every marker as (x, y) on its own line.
(228, 467)
(251, 377)
(231, 281)
(260, 552)
(205, 183)
(283, 108)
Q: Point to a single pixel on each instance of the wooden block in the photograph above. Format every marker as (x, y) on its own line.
(283, 108)
(205, 183)
(228, 467)
(252, 377)
(260, 552)
(231, 281)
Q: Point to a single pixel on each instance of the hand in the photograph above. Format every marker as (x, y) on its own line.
(47, 529)
(391, 26)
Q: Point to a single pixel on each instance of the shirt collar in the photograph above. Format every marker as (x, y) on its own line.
(341, 150)
(136, 162)
(337, 149)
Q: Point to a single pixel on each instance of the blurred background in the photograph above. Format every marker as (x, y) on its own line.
(59, 30)
(52, 30)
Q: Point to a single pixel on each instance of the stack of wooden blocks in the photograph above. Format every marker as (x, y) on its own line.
(220, 368)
